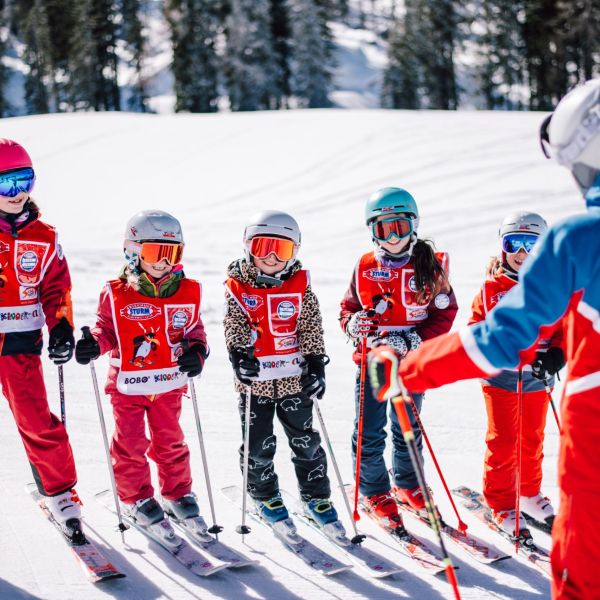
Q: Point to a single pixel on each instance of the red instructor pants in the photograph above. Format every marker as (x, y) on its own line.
(166, 446)
(500, 467)
(43, 435)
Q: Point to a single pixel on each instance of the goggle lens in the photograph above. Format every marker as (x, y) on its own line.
(261, 247)
(17, 181)
(153, 252)
(513, 242)
(401, 227)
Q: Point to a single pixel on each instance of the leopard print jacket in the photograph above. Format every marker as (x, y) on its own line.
(237, 329)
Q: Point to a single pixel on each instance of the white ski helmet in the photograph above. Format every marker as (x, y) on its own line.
(155, 226)
(523, 222)
(273, 223)
(149, 226)
(571, 134)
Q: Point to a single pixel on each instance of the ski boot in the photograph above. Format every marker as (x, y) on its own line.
(185, 512)
(144, 512)
(539, 511)
(506, 521)
(274, 513)
(322, 512)
(385, 510)
(65, 509)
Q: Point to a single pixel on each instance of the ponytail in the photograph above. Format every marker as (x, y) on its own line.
(430, 276)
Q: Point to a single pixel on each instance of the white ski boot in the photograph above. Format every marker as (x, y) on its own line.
(65, 509)
(506, 521)
(539, 510)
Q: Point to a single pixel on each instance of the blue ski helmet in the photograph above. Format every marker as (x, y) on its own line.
(391, 200)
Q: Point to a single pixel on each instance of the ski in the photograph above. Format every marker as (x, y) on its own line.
(287, 534)
(94, 564)
(410, 545)
(474, 502)
(196, 532)
(366, 559)
(163, 534)
(476, 548)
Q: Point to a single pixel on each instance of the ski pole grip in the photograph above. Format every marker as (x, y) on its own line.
(185, 344)
(87, 334)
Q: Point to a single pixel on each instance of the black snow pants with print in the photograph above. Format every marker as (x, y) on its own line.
(295, 413)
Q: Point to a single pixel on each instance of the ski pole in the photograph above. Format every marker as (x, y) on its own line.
(358, 537)
(215, 529)
(519, 450)
(243, 528)
(549, 394)
(122, 526)
(61, 393)
(462, 526)
(361, 411)
(399, 403)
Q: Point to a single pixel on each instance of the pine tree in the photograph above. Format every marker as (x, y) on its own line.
(280, 32)
(311, 44)
(402, 77)
(37, 57)
(502, 48)
(581, 36)
(131, 33)
(251, 67)
(194, 28)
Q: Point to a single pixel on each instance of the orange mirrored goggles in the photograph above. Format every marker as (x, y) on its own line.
(261, 247)
(153, 252)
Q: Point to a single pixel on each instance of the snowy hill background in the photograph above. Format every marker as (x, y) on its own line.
(466, 170)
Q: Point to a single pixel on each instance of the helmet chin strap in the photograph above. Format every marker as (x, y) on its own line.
(406, 253)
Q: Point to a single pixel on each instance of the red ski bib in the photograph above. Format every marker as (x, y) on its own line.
(149, 333)
(392, 292)
(23, 263)
(273, 316)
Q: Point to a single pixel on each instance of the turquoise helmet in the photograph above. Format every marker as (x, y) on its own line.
(391, 200)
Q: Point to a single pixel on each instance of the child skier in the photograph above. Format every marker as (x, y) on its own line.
(149, 321)
(36, 289)
(274, 335)
(400, 291)
(518, 234)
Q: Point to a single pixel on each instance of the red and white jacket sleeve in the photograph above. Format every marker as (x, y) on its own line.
(55, 291)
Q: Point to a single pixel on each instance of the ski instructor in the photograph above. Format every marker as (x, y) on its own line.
(561, 282)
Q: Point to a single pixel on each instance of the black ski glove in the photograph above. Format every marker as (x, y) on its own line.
(245, 364)
(87, 348)
(548, 363)
(313, 375)
(61, 342)
(192, 359)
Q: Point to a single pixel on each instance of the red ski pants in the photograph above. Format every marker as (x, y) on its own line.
(576, 548)
(500, 466)
(166, 446)
(43, 435)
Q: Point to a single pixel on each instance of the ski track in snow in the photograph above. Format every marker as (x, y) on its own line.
(466, 170)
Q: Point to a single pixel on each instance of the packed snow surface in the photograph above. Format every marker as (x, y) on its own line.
(467, 170)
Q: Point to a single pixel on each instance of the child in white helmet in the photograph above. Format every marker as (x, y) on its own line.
(274, 335)
(519, 233)
(149, 321)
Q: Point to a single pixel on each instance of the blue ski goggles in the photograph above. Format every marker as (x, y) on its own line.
(384, 230)
(16, 181)
(513, 242)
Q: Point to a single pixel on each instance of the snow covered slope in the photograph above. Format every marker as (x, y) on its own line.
(466, 170)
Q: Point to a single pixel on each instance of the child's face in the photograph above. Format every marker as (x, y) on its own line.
(270, 265)
(394, 245)
(158, 269)
(516, 259)
(13, 205)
